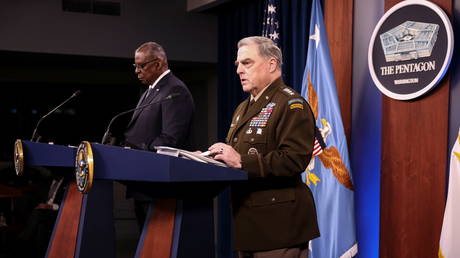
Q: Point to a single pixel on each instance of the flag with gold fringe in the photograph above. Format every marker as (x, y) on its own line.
(449, 246)
(328, 174)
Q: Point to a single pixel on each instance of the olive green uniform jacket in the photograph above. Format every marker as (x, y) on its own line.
(275, 135)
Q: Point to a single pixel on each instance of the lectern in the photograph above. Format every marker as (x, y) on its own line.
(180, 224)
(80, 229)
(180, 221)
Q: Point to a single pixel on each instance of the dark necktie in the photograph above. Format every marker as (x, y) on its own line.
(251, 103)
(141, 102)
(143, 97)
(148, 92)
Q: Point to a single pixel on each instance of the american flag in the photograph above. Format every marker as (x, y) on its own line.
(317, 148)
(270, 25)
(270, 29)
(319, 143)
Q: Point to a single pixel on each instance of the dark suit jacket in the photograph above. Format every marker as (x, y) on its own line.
(165, 123)
(275, 135)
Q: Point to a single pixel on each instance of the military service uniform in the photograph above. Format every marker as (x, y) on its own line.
(274, 136)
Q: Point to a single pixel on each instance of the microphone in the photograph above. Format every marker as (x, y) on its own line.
(107, 131)
(75, 94)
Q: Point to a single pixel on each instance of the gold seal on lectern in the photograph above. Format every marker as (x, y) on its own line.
(18, 157)
(84, 167)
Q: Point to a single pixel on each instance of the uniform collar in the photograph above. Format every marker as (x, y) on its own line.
(275, 82)
(258, 105)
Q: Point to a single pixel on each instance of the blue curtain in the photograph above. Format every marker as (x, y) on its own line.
(239, 19)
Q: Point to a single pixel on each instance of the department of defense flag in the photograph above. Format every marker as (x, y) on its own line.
(328, 174)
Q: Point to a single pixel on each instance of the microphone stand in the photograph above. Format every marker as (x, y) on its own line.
(107, 131)
(49, 113)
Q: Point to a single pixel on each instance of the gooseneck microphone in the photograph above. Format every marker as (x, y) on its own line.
(34, 134)
(107, 131)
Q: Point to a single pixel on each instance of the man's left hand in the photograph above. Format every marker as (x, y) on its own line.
(225, 153)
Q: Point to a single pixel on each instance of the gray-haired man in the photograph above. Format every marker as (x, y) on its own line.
(271, 137)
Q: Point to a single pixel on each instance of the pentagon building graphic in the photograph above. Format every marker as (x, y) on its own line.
(409, 40)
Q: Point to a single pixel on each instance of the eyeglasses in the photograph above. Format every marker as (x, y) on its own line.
(142, 66)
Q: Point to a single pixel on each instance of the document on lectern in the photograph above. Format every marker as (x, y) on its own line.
(188, 155)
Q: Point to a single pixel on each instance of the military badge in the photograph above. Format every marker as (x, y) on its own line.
(271, 105)
(249, 131)
(295, 103)
(18, 158)
(84, 167)
(259, 131)
(252, 151)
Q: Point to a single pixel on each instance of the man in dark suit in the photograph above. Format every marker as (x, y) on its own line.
(271, 137)
(167, 121)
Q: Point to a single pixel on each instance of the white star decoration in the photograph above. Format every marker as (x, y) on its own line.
(271, 9)
(316, 36)
(274, 35)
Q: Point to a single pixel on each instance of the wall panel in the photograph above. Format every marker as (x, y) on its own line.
(413, 175)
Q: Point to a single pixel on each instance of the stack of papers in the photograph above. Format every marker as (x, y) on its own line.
(188, 155)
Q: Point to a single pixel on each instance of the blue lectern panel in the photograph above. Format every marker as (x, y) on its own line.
(44, 154)
(117, 163)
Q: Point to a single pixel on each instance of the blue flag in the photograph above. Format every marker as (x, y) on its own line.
(328, 174)
(270, 25)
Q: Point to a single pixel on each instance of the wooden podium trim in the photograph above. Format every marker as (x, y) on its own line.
(338, 19)
(64, 239)
(158, 234)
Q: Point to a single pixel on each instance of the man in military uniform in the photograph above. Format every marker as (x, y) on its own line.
(271, 137)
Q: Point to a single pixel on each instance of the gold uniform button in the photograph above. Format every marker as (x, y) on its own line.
(252, 139)
(273, 199)
(235, 139)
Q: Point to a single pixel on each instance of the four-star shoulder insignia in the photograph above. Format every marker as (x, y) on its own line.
(288, 91)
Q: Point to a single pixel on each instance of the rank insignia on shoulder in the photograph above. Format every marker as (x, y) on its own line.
(288, 91)
(252, 151)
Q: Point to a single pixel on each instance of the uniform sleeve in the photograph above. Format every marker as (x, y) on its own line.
(177, 115)
(294, 136)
